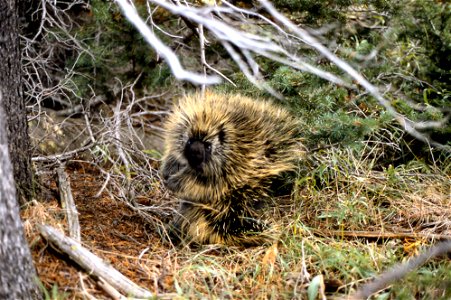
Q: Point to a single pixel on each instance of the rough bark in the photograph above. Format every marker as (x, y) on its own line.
(17, 273)
(13, 101)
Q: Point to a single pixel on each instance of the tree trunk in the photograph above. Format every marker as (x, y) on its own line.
(17, 273)
(12, 100)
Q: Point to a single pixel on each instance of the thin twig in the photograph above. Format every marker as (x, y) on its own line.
(62, 156)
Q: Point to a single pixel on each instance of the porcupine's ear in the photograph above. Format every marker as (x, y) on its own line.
(221, 135)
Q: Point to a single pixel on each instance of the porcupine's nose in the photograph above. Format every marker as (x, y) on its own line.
(195, 153)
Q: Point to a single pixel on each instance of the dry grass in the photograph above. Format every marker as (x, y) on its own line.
(341, 194)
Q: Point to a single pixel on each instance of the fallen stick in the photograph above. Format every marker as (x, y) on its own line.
(383, 235)
(68, 203)
(111, 291)
(95, 266)
(400, 270)
(62, 156)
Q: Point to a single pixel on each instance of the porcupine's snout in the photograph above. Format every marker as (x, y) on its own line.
(198, 153)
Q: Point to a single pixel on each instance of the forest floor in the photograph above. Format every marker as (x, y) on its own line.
(109, 228)
(310, 250)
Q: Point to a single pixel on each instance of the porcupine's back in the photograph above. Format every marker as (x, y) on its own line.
(243, 144)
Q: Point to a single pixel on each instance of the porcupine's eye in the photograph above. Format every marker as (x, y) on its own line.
(197, 153)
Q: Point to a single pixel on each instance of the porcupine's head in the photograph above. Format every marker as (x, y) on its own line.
(218, 143)
(196, 151)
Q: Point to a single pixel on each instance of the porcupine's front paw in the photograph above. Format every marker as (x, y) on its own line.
(198, 225)
(228, 229)
(171, 172)
(172, 234)
(189, 227)
(247, 232)
(201, 232)
(192, 225)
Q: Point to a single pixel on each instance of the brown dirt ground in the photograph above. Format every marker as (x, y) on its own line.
(109, 228)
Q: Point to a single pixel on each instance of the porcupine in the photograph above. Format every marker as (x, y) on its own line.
(222, 154)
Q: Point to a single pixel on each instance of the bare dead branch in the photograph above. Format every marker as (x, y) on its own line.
(245, 41)
(383, 235)
(171, 59)
(399, 271)
(110, 290)
(202, 42)
(80, 107)
(94, 265)
(117, 140)
(68, 203)
(63, 156)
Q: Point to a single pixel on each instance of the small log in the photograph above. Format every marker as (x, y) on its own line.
(400, 270)
(111, 291)
(68, 203)
(382, 235)
(94, 265)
